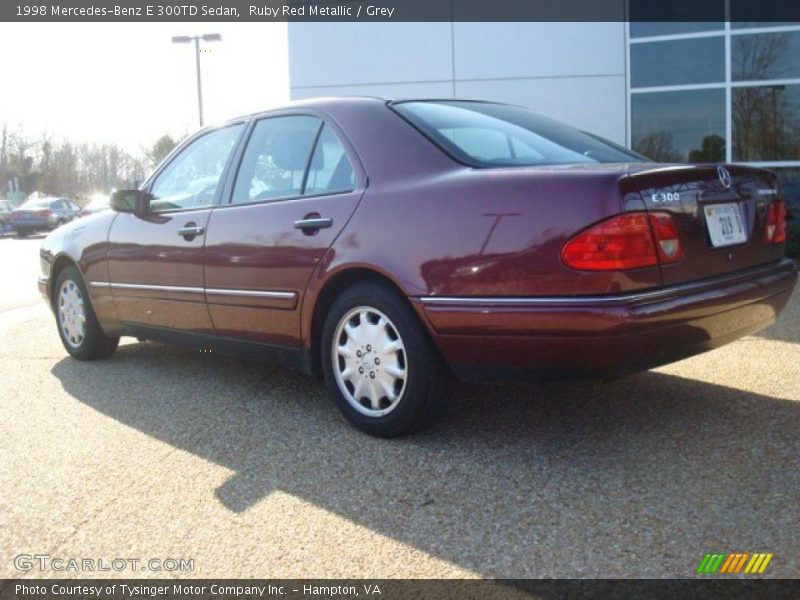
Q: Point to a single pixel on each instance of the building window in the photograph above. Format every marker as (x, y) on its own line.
(765, 56)
(675, 62)
(680, 126)
(766, 123)
(659, 28)
(650, 18)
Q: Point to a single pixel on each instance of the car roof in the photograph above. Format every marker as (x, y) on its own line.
(328, 102)
(322, 102)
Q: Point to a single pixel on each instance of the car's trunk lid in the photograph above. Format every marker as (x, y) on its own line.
(720, 212)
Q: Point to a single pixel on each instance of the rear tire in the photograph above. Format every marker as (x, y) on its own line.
(77, 323)
(380, 366)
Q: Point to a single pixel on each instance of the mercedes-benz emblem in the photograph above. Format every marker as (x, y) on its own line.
(724, 177)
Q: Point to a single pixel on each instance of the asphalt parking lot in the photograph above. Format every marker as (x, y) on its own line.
(250, 471)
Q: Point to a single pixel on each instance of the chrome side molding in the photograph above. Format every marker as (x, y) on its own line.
(195, 290)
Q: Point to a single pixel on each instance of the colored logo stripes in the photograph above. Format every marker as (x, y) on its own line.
(734, 563)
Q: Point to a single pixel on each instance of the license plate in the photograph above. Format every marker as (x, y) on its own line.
(725, 225)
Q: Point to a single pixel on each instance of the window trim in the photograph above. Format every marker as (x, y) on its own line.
(178, 150)
(310, 158)
(361, 178)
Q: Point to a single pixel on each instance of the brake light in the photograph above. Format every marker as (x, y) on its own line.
(628, 241)
(776, 223)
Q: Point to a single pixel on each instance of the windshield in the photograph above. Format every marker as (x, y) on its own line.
(496, 135)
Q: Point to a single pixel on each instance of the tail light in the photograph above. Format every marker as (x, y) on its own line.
(628, 241)
(776, 223)
(668, 243)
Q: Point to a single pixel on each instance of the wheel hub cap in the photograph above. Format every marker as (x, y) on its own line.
(71, 313)
(369, 361)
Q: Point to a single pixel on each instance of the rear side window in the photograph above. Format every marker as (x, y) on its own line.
(275, 161)
(483, 134)
(330, 170)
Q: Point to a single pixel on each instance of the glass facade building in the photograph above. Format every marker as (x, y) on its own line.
(717, 92)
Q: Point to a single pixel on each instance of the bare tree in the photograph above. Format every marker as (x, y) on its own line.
(65, 167)
(764, 118)
(657, 146)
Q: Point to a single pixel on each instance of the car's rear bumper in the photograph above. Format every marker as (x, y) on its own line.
(487, 339)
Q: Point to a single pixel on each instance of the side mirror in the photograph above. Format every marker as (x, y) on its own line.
(129, 201)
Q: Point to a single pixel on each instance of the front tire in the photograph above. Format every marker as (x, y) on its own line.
(380, 366)
(77, 324)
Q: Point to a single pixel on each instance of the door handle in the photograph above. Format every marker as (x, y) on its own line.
(190, 230)
(313, 223)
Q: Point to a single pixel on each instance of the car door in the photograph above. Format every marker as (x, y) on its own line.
(60, 211)
(72, 209)
(155, 259)
(297, 184)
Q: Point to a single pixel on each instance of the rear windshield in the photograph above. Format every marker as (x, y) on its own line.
(483, 134)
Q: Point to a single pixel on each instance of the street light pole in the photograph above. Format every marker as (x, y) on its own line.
(185, 39)
(199, 80)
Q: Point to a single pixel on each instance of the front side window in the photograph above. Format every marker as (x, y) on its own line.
(486, 135)
(191, 179)
(275, 161)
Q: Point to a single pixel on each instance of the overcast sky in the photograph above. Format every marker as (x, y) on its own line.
(128, 84)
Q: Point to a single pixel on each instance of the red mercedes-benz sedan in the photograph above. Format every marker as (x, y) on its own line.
(391, 245)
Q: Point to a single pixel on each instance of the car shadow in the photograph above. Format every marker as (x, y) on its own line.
(787, 327)
(639, 476)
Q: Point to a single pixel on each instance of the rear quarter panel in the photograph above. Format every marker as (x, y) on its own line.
(470, 232)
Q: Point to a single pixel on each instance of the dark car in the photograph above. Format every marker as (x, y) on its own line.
(388, 246)
(42, 214)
